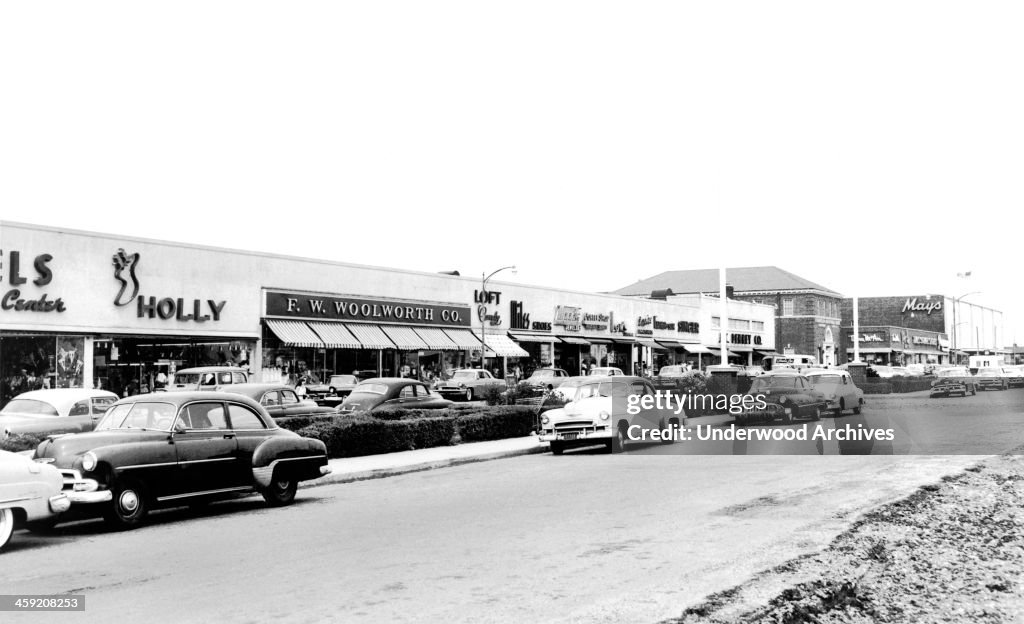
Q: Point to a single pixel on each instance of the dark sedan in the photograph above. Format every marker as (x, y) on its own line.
(170, 449)
(280, 400)
(333, 391)
(784, 394)
(392, 392)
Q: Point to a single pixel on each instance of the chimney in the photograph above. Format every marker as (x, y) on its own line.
(662, 293)
(729, 290)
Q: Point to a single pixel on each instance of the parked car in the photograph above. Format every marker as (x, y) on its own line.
(334, 391)
(280, 400)
(954, 380)
(469, 383)
(567, 389)
(29, 492)
(918, 370)
(545, 379)
(989, 378)
(59, 410)
(591, 418)
(786, 394)
(839, 390)
(180, 448)
(670, 378)
(393, 392)
(881, 371)
(605, 371)
(207, 378)
(1014, 376)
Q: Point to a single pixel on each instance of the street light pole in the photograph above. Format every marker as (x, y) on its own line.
(481, 312)
(956, 304)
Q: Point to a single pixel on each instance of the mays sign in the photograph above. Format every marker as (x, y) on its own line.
(359, 309)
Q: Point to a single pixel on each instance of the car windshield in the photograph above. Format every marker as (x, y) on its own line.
(464, 374)
(989, 371)
(370, 388)
(543, 373)
(29, 406)
(141, 415)
(826, 379)
(342, 380)
(952, 372)
(670, 370)
(764, 383)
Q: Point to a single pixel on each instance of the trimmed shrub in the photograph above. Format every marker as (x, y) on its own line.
(357, 435)
(17, 442)
(294, 423)
(497, 423)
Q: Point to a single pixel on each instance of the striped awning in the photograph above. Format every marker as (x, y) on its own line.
(532, 337)
(436, 339)
(370, 336)
(464, 338)
(294, 333)
(335, 335)
(500, 345)
(599, 340)
(404, 337)
(576, 340)
(651, 344)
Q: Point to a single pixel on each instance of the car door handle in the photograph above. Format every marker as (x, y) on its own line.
(228, 436)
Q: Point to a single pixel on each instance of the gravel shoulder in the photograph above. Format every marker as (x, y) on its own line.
(951, 552)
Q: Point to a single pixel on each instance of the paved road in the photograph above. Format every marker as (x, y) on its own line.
(586, 537)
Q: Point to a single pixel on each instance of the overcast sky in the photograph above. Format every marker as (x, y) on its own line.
(873, 147)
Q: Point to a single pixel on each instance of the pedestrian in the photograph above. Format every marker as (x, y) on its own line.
(300, 389)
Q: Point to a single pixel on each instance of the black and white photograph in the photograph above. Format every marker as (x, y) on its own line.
(541, 312)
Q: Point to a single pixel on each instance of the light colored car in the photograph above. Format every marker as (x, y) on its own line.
(605, 371)
(469, 383)
(597, 415)
(30, 492)
(992, 377)
(544, 379)
(839, 390)
(207, 378)
(1014, 375)
(916, 370)
(41, 413)
(954, 380)
(881, 371)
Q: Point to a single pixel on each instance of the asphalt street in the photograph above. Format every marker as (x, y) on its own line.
(585, 537)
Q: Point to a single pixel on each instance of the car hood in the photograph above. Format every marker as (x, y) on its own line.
(12, 460)
(65, 449)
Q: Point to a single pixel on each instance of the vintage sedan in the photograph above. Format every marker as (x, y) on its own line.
(41, 413)
(954, 380)
(1014, 376)
(605, 371)
(333, 391)
(545, 379)
(782, 393)
(207, 378)
(30, 494)
(839, 390)
(280, 400)
(180, 448)
(392, 392)
(469, 383)
(598, 414)
(992, 378)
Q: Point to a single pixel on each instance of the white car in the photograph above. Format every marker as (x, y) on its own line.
(605, 371)
(30, 492)
(592, 417)
(41, 413)
(838, 387)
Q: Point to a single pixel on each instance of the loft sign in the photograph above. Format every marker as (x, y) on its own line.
(912, 305)
(13, 299)
(359, 309)
(166, 308)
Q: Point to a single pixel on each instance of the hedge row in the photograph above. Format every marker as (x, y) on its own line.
(17, 442)
(389, 431)
(896, 385)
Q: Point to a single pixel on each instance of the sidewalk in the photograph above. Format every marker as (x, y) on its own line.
(348, 469)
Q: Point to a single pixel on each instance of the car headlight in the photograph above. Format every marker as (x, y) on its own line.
(545, 420)
(462, 385)
(89, 461)
(605, 415)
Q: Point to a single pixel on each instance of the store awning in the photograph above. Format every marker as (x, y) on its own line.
(295, 333)
(335, 335)
(463, 338)
(651, 344)
(601, 341)
(718, 352)
(871, 350)
(370, 336)
(765, 351)
(742, 348)
(576, 340)
(436, 339)
(404, 337)
(500, 345)
(532, 337)
(696, 348)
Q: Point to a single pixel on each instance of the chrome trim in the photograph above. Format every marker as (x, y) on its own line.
(325, 470)
(60, 503)
(146, 466)
(101, 496)
(15, 500)
(201, 461)
(206, 492)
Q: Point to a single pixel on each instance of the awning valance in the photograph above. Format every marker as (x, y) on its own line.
(871, 350)
(599, 340)
(436, 339)
(370, 336)
(651, 344)
(500, 345)
(576, 340)
(294, 333)
(532, 337)
(718, 352)
(464, 338)
(404, 337)
(696, 348)
(335, 335)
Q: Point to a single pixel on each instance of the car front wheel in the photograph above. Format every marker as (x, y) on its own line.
(556, 447)
(128, 509)
(6, 525)
(469, 394)
(280, 492)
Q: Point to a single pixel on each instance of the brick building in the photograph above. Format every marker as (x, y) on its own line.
(807, 318)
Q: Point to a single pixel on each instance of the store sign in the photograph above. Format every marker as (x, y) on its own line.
(596, 322)
(359, 309)
(912, 305)
(13, 299)
(871, 338)
(926, 340)
(744, 339)
(645, 326)
(517, 318)
(166, 308)
(569, 317)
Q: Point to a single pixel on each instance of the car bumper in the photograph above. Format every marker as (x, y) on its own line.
(991, 383)
(949, 389)
(598, 435)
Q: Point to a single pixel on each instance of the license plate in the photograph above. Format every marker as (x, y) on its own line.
(570, 436)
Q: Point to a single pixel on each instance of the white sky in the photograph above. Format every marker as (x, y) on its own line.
(873, 147)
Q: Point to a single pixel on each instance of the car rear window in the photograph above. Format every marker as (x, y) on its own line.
(370, 388)
(30, 406)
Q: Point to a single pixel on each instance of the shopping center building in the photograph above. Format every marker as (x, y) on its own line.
(82, 309)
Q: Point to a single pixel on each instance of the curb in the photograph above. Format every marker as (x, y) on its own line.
(382, 473)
